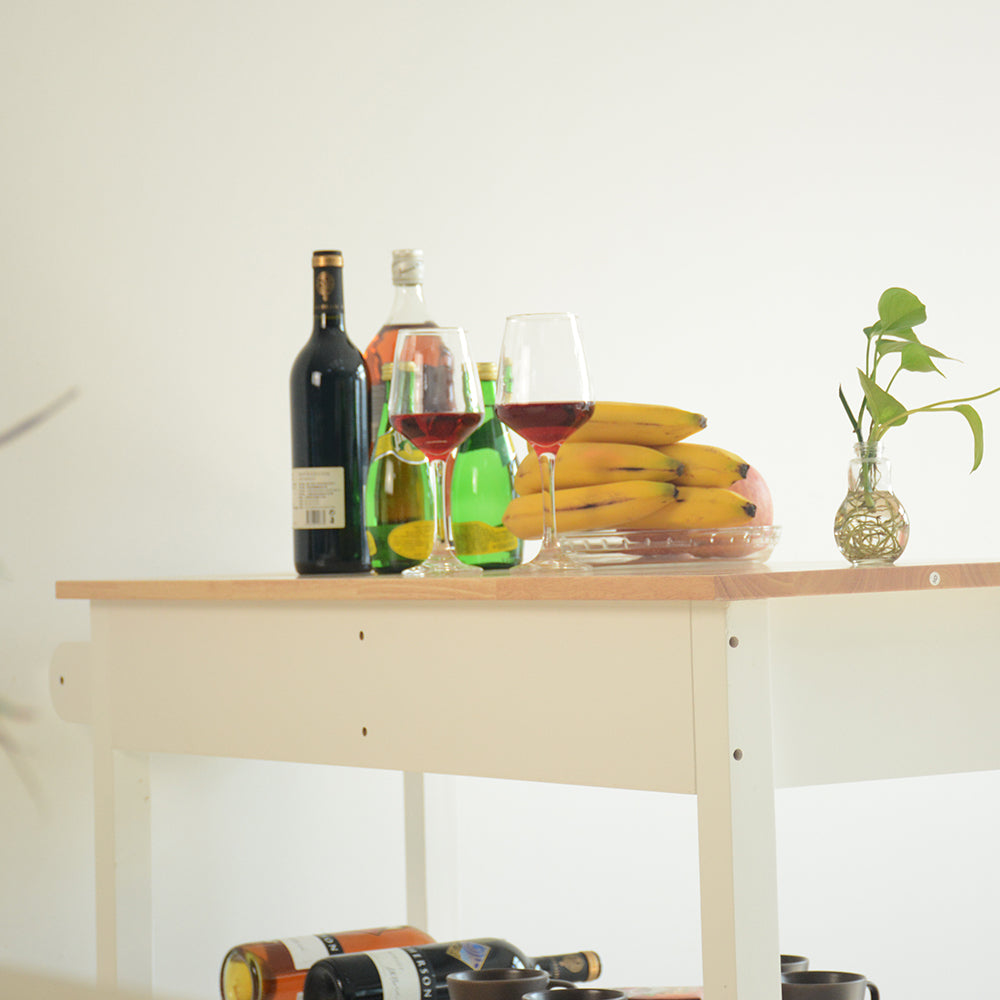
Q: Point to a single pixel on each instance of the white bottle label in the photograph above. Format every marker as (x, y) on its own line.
(305, 951)
(401, 978)
(318, 498)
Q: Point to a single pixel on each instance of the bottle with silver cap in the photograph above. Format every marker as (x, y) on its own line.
(408, 310)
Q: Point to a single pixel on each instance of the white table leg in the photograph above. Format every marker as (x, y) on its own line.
(415, 828)
(735, 785)
(122, 852)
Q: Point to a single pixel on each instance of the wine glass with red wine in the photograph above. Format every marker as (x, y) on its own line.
(543, 394)
(436, 402)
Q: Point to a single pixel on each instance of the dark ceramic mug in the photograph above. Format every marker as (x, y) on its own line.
(794, 963)
(816, 985)
(501, 984)
(580, 993)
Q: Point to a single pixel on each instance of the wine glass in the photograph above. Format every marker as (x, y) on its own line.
(543, 394)
(436, 402)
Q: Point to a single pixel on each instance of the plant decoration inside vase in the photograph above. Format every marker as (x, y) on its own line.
(871, 527)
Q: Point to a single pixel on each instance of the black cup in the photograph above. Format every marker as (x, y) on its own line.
(502, 984)
(580, 993)
(794, 963)
(816, 985)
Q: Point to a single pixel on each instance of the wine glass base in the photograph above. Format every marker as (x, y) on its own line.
(553, 561)
(444, 563)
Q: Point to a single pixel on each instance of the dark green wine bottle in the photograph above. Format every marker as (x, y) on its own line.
(482, 484)
(420, 972)
(329, 402)
(399, 505)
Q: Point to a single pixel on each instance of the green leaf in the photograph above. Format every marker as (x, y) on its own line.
(976, 424)
(906, 335)
(899, 309)
(850, 415)
(914, 357)
(874, 330)
(885, 409)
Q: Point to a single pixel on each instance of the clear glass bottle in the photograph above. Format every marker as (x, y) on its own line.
(482, 484)
(408, 310)
(399, 505)
(871, 527)
(276, 970)
(420, 972)
(330, 446)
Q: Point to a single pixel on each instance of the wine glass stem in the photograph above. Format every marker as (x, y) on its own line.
(442, 509)
(547, 467)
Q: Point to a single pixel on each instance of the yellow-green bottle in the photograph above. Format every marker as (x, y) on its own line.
(482, 484)
(399, 506)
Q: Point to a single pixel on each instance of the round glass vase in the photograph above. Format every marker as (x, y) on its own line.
(871, 527)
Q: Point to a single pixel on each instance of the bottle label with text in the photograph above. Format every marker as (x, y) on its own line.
(318, 499)
(304, 951)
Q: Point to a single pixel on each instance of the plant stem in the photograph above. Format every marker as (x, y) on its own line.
(930, 408)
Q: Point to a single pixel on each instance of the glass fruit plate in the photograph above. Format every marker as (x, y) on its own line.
(621, 547)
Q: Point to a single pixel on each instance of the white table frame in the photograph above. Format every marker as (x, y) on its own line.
(746, 681)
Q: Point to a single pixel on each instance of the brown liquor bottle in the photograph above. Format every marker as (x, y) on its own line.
(276, 970)
(408, 311)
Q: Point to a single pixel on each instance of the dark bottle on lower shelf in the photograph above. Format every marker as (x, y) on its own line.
(421, 972)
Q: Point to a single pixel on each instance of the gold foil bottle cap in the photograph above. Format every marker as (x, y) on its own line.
(487, 371)
(407, 267)
(327, 258)
(387, 372)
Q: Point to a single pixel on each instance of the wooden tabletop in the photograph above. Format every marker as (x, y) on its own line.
(660, 583)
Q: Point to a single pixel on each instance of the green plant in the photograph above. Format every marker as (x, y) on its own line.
(892, 336)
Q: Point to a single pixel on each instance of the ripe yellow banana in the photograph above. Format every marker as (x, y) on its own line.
(638, 423)
(700, 507)
(586, 508)
(593, 462)
(705, 464)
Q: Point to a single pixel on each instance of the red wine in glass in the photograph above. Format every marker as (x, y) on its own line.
(545, 426)
(543, 394)
(436, 434)
(436, 402)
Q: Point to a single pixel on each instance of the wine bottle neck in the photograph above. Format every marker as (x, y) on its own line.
(328, 299)
(408, 306)
(576, 967)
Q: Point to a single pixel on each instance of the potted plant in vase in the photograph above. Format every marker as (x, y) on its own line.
(871, 527)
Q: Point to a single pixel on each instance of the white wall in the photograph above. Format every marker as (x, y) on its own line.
(721, 190)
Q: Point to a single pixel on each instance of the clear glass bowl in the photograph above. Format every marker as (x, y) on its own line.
(754, 543)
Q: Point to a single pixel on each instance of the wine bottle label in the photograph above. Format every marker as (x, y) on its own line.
(475, 538)
(318, 498)
(304, 951)
(472, 953)
(404, 973)
(413, 540)
(394, 442)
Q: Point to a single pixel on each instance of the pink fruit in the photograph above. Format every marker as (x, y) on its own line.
(753, 487)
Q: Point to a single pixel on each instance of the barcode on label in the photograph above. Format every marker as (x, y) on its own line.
(316, 517)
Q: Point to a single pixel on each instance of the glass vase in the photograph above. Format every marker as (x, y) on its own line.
(871, 527)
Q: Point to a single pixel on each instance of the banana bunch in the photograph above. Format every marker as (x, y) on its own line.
(629, 467)
(638, 423)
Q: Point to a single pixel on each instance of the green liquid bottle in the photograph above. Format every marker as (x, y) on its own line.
(399, 506)
(482, 484)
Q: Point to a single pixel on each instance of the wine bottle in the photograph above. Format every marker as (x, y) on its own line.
(408, 310)
(330, 448)
(482, 484)
(399, 504)
(276, 970)
(420, 972)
